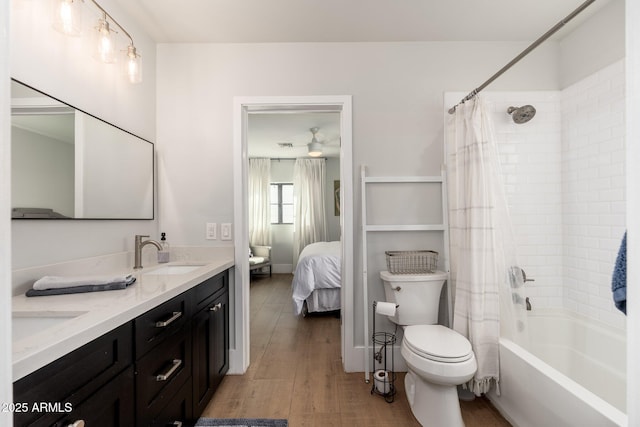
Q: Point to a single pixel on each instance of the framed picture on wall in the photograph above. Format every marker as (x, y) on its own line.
(336, 197)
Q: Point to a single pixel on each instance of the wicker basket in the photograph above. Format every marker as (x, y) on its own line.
(411, 262)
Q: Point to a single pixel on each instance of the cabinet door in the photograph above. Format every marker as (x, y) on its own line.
(73, 378)
(177, 412)
(220, 319)
(210, 350)
(111, 406)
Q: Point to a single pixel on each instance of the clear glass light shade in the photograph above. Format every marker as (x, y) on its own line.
(315, 149)
(104, 42)
(67, 16)
(132, 65)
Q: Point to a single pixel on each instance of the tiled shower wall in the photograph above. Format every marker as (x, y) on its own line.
(530, 156)
(565, 185)
(593, 187)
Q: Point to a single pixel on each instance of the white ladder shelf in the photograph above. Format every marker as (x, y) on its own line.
(366, 228)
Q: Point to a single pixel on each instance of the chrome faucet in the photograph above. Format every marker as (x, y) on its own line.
(138, 249)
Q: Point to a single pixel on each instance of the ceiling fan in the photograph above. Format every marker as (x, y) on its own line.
(316, 147)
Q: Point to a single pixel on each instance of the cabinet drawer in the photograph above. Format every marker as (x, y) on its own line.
(161, 373)
(74, 377)
(205, 290)
(163, 321)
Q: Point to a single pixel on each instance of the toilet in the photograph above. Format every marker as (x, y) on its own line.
(438, 358)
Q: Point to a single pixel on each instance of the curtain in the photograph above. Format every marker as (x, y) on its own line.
(259, 202)
(309, 223)
(488, 283)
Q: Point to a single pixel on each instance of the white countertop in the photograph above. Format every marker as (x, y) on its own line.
(91, 315)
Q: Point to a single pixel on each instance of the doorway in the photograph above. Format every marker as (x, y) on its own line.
(243, 107)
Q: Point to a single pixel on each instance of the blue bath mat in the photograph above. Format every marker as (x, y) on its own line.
(240, 422)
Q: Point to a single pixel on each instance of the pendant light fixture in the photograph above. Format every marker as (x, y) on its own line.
(133, 65)
(104, 41)
(67, 19)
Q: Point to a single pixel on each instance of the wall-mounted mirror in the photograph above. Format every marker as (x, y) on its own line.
(68, 164)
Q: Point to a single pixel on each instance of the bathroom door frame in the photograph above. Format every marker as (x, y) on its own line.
(239, 356)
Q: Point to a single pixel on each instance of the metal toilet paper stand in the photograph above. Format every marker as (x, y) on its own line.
(383, 362)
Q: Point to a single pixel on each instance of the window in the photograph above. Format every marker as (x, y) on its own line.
(282, 203)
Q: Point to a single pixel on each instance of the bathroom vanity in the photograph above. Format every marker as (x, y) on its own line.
(159, 366)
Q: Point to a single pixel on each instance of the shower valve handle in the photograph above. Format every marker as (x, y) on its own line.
(524, 278)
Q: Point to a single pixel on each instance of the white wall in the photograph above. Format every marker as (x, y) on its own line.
(73, 76)
(45, 179)
(633, 211)
(397, 103)
(595, 44)
(6, 418)
(114, 171)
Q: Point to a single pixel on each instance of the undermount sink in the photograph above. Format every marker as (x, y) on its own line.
(173, 269)
(24, 324)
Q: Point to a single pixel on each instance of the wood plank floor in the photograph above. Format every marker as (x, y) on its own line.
(296, 373)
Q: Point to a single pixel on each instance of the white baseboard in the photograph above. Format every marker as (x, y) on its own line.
(235, 362)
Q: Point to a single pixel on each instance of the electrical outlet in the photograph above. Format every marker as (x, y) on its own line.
(211, 231)
(225, 231)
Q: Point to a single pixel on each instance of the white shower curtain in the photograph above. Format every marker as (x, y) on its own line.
(309, 224)
(259, 202)
(488, 287)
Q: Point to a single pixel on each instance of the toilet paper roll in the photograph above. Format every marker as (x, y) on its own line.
(381, 379)
(386, 308)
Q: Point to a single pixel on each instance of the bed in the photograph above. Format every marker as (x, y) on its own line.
(317, 278)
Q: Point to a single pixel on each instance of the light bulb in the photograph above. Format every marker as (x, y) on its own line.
(105, 45)
(133, 65)
(67, 17)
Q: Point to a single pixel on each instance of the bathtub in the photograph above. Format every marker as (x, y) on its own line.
(573, 374)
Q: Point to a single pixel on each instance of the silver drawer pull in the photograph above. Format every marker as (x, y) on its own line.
(216, 307)
(166, 375)
(164, 323)
(79, 423)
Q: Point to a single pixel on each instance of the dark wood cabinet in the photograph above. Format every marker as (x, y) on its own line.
(111, 406)
(60, 389)
(159, 369)
(210, 328)
(210, 350)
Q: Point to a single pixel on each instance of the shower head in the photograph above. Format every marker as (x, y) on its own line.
(522, 114)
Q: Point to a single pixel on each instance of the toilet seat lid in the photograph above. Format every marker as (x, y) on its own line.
(437, 342)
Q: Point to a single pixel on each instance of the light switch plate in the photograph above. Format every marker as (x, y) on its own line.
(211, 231)
(225, 231)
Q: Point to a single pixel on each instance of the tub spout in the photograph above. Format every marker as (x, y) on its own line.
(527, 303)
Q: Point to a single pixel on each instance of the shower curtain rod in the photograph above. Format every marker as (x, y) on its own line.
(524, 53)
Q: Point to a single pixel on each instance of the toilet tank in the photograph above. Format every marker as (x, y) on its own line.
(417, 296)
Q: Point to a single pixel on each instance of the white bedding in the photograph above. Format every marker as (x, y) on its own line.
(318, 268)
